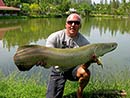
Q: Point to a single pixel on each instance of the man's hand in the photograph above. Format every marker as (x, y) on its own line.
(93, 60)
(96, 60)
(41, 63)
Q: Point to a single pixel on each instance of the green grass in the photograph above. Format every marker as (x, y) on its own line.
(14, 86)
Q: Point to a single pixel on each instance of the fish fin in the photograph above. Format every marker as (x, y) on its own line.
(27, 46)
(99, 62)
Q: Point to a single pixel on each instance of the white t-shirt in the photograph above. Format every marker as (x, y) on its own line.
(60, 39)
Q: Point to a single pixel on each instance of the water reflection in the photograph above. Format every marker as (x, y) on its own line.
(35, 31)
(31, 31)
(2, 32)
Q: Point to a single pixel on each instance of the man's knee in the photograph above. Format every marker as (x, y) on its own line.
(82, 72)
(87, 72)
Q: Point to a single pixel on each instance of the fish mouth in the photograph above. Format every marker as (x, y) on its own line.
(114, 45)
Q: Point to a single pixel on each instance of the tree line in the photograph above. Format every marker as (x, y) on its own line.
(61, 8)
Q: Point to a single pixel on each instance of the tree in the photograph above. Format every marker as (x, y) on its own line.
(35, 9)
(14, 3)
(25, 9)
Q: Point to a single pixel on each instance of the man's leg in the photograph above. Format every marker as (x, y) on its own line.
(55, 86)
(84, 75)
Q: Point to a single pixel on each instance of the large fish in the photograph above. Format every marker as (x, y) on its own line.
(29, 55)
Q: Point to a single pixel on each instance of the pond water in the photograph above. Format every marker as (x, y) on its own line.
(14, 33)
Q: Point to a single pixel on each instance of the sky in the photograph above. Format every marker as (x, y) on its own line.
(98, 1)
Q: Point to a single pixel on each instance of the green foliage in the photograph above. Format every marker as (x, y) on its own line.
(64, 6)
(124, 9)
(60, 7)
(14, 3)
(114, 8)
(85, 8)
(35, 9)
(25, 8)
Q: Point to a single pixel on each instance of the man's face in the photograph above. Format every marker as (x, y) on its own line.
(73, 25)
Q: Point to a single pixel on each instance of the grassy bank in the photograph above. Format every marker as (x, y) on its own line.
(21, 87)
(13, 17)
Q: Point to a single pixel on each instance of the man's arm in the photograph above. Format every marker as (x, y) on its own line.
(51, 40)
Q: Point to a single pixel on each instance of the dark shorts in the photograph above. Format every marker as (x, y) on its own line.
(57, 82)
(71, 74)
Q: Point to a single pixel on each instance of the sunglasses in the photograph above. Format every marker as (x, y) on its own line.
(75, 22)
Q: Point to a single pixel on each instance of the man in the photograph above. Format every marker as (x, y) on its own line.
(68, 38)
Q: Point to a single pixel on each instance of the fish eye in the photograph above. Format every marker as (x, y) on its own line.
(112, 45)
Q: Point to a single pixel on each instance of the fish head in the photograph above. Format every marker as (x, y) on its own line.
(103, 48)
